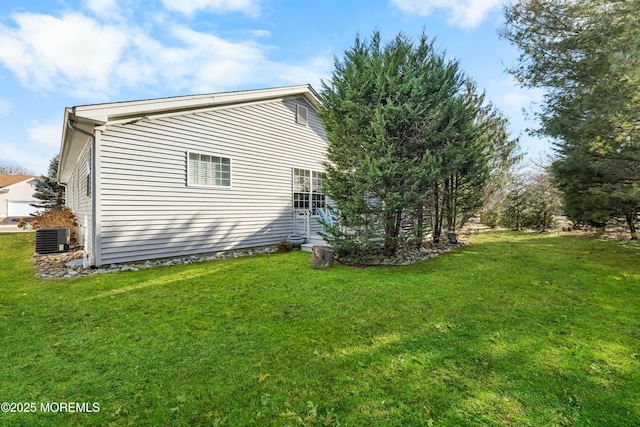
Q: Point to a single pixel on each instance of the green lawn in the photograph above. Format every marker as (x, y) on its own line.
(515, 330)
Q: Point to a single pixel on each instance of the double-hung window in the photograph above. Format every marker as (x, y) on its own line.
(307, 190)
(301, 188)
(88, 175)
(318, 198)
(207, 170)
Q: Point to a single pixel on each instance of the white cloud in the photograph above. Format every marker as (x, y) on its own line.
(103, 8)
(189, 7)
(94, 60)
(195, 61)
(75, 51)
(260, 33)
(47, 134)
(311, 71)
(462, 13)
(206, 63)
(519, 105)
(515, 99)
(512, 98)
(34, 161)
(34, 148)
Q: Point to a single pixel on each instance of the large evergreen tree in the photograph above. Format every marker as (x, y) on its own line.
(48, 191)
(385, 116)
(483, 154)
(585, 54)
(410, 146)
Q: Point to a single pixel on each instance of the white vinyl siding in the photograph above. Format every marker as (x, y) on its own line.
(147, 211)
(205, 169)
(77, 200)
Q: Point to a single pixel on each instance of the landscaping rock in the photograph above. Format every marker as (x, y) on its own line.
(76, 263)
(408, 256)
(70, 264)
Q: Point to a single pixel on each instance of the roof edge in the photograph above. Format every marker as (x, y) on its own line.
(7, 180)
(83, 119)
(104, 113)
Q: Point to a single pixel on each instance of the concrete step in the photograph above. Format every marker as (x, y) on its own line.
(313, 241)
(318, 240)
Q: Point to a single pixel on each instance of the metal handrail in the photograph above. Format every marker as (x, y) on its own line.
(302, 222)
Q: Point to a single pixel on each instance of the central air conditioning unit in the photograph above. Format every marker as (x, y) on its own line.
(52, 240)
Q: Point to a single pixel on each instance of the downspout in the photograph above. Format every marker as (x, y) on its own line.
(91, 261)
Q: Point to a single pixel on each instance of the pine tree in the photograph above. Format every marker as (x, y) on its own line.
(543, 202)
(515, 204)
(48, 190)
(586, 56)
(382, 106)
(410, 140)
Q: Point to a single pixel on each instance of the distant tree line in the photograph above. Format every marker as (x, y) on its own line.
(8, 167)
(528, 201)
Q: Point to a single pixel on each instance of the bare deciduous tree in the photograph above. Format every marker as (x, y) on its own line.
(9, 167)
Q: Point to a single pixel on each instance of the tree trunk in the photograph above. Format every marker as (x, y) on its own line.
(398, 228)
(388, 233)
(447, 201)
(420, 225)
(455, 203)
(321, 257)
(391, 232)
(632, 226)
(437, 217)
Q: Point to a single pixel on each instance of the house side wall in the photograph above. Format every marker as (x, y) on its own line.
(149, 211)
(18, 192)
(78, 201)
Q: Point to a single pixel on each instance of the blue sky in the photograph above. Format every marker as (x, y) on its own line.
(61, 53)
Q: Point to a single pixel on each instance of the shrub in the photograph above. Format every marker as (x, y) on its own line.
(284, 245)
(58, 217)
(491, 217)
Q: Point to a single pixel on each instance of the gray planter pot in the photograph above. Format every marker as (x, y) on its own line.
(296, 240)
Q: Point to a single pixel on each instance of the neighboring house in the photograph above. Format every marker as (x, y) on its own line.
(193, 174)
(16, 195)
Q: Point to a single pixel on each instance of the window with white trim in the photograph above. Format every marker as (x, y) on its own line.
(308, 190)
(204, 169)
(88, 174)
